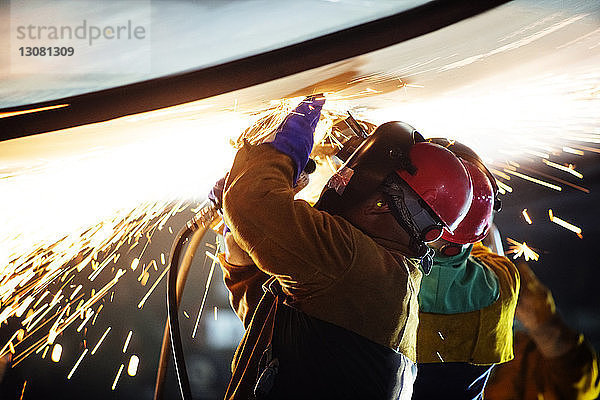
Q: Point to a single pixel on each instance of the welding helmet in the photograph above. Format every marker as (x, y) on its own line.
(431, 181)
(372, 159)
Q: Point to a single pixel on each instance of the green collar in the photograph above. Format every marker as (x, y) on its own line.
(458, 284)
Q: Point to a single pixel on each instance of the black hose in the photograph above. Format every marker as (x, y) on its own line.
(182, 274)
(173, 315)
(163, 363)
(202, 220)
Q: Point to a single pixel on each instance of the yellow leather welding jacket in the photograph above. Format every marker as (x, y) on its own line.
(327, 268)
(481, 337)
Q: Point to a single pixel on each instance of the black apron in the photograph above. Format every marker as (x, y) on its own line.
(308, 358)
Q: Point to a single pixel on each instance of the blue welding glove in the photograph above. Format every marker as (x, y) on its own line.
(215, 196)
(295, 136)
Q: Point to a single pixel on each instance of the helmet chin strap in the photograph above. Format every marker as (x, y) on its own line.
(394, 194)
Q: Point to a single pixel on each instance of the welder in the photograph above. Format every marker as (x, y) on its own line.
(467, 302)
(338, 319)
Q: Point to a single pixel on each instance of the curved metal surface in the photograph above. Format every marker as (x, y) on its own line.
(177, 89)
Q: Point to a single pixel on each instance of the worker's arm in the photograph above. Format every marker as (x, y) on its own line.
(245, 286)
(574, 374)
(284, 237)
(537, 312)
(570, 363)
(243, 280)
(241, 276)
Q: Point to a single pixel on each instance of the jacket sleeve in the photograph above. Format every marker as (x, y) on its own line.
(304, 247)
(530, 376)
(574, 375)
(245, 288)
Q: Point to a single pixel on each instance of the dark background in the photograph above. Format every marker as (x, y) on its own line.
(569, 266)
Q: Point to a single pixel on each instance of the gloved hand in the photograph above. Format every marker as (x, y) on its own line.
(215, 196)
(295, 136)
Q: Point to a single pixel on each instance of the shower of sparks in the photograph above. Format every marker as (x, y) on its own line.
(29, 282)
(521, 249)
(560, 121)
(114, 385)
(132, 367)
(526, 216)
(127, 341)
(565, 224)
(77, 363)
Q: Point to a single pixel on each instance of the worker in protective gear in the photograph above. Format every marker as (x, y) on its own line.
(467, 302)
(552, 361)
(339, 315)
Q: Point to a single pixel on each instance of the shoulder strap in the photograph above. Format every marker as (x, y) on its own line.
(256, 340)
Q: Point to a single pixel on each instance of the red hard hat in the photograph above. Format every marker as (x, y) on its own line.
(441, 181)
(466, 153)
(476, 224)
